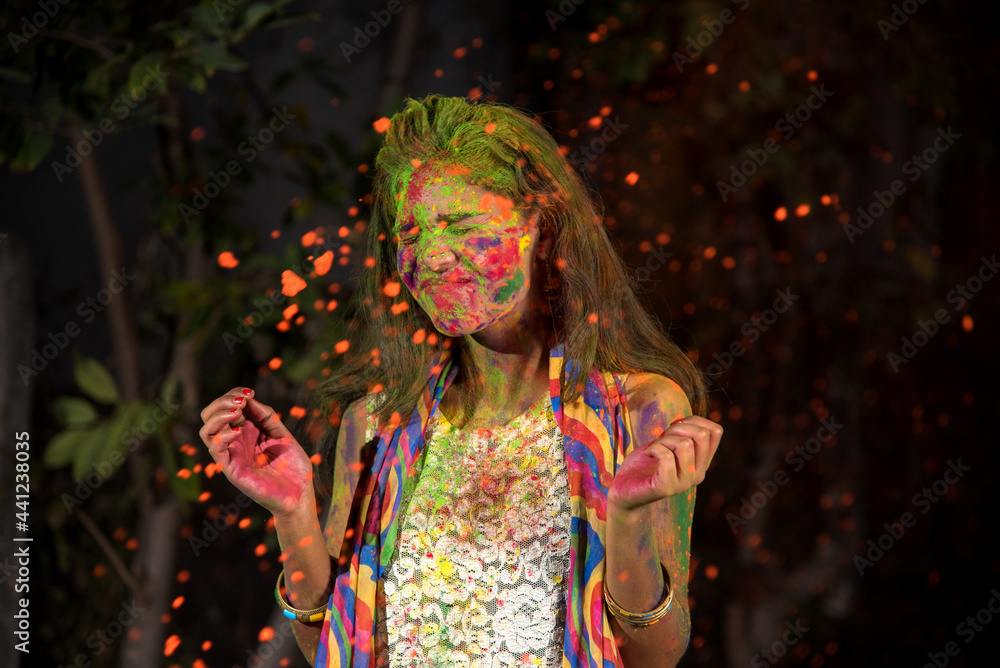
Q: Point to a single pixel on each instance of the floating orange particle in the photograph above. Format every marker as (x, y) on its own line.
(260, 550)
(780, 213)
(592, 318)
(801, 210)
(744, 86)
(171, 644)
(291, 283)
(183, 576)
(490, 127)
(265, 634)
(183, 474)
(391, 289)
(381, 125)
(290, 311)
(245, 522)
(204, 496)
(323, 263)
(594, 122)
(316, 459)
(632, 178)
(207, 645)
(460, 52)
(342, 346)
(297, 412)
(419, 336)
(711, 68)
(825, 200)
(274, 364)
(227, 260)
(178, 602)
(198, 663)
(416, 163)
(967, 323)
(308, 239)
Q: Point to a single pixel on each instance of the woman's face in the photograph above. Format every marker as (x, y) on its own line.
(464, 253)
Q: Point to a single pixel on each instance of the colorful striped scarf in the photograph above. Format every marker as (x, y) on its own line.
(596, 437)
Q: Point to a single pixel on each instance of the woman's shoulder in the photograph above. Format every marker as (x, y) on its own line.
(643, 388)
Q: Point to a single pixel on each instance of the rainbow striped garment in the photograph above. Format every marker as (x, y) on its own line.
(596, 432)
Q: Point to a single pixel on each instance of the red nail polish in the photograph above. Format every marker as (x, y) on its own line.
(233, 410)
(236, 428)
(238, 400)
(247, 391)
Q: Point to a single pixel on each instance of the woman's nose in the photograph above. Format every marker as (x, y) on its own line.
(438, 257)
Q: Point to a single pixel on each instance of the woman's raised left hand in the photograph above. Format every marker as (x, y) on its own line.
(669, 465)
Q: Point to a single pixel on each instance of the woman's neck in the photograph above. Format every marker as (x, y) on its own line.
(500, 378)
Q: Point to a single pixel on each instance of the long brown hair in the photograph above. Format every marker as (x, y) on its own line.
(595, 310)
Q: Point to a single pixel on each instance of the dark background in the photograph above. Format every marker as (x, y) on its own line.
(680, 124)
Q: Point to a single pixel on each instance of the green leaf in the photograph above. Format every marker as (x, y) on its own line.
(216, 56)
(190, 74)
(59, 451)
(208, 17)
(128, 417)
(88, 449)
(31, 151)
(74, 412)
(256, 13)
(95, 380)
(146, 76)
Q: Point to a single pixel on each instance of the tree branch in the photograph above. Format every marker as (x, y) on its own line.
(108, 549)
(79, 41)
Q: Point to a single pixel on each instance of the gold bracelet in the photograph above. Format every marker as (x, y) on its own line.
(304, 616)
(648, 618)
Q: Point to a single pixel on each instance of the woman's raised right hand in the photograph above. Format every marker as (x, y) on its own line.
(257, 452)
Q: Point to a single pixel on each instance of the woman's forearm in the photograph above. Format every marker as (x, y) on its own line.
(634, 579)
(307, 569)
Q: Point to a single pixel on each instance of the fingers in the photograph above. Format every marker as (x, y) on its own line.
(235, 397)
(266, 418)
(679, 451)
(222, 419)
(705, 435)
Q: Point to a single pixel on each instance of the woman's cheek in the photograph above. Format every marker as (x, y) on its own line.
(500, 261)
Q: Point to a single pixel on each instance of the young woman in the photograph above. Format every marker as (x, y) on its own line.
(518, 443)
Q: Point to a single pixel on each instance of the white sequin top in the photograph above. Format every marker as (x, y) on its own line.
(483, 552)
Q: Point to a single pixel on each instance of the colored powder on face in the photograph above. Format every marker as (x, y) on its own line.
(525, 242)
(511, 287)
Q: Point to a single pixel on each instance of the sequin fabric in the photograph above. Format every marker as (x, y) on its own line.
(478, 578)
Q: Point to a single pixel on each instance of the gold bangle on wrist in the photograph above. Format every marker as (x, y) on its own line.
(647, 618)
(304, 616)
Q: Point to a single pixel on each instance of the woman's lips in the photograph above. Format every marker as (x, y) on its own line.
(444, 284)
